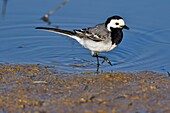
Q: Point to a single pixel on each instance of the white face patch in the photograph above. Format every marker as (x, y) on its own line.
(116, 23)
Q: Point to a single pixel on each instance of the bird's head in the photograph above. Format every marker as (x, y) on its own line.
(115, 22)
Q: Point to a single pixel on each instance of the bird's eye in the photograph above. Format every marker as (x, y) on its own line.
(117, 23)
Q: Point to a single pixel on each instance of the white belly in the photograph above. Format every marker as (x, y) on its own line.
(101, 46)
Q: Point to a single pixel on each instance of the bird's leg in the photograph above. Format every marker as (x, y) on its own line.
(105, 59)
(97, 59)
(96, 55)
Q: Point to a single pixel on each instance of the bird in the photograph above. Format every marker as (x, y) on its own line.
(102, 37)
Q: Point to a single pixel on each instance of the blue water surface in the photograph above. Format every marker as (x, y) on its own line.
(144, 47)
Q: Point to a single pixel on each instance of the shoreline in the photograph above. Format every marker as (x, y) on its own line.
(33, 88)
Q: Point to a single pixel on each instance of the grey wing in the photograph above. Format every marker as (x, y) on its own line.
(96, 33)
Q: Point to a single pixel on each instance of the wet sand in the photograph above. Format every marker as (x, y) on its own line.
(41, 89)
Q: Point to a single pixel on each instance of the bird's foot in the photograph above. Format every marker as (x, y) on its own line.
(106, 60)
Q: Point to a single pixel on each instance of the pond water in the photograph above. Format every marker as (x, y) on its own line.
(146, 46)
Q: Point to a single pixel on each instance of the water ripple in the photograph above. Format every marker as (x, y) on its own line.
(141, 49)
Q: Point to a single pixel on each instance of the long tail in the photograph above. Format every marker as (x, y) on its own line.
(59, 31)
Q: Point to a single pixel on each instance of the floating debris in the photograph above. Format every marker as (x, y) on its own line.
(4, 7)
(45, 18)
(40, 82)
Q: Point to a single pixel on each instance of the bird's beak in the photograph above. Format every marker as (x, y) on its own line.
(125, 27)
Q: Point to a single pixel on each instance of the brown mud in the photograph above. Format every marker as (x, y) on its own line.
(32, 88)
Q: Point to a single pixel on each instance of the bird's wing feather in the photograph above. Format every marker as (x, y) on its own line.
(96, 33)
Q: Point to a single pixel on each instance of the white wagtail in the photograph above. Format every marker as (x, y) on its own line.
(101, 38)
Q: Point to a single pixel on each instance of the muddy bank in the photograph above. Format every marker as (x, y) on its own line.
(31, 88)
